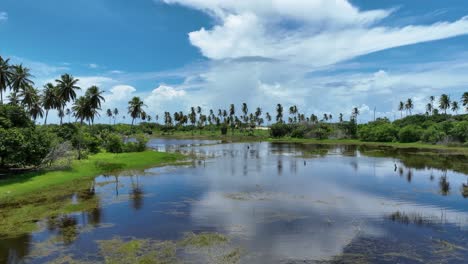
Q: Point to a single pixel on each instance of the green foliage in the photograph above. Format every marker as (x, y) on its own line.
(139, 145)
(460, 131)
(21, 144)
(433, 134)
(114, 143)
(409, 134)
(224, 129)
(279, 130)
(299, 132)
(14, 116)
(321, 131)
(382, 131)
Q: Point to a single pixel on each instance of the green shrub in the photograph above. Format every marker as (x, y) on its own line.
(114, 143)
(410, 134)
(384, 132)
(299, 132)
(224, 129)
(433, 134)
(460, 131)
(279, 130)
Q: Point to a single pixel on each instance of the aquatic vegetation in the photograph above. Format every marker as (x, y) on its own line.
(146, 251)
(203, 240)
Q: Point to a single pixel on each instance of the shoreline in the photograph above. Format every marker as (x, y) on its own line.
(13, 189)
(259, 138)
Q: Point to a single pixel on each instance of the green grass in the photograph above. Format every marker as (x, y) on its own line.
(28, 198)
(18, 186)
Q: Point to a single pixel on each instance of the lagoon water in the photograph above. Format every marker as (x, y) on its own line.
(276, 203)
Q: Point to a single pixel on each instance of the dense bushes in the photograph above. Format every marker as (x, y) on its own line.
(115, 144)
(410, 134)
(280, 130)
(379, 131)
(21, 143)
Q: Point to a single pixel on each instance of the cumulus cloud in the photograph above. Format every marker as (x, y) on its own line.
(315, 32)
(167, 92)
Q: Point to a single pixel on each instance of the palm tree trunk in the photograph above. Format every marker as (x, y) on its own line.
(1, 96)
(47, 114)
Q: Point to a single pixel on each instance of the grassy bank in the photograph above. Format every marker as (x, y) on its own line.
(17, 187)
(27, 198)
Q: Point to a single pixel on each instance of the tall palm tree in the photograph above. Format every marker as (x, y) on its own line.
(431, 102)
(109, 114)
(409, 105)
(6, 75)
(279, 113)
(35, 110)
(116, 113)
(429, 108)
(455, 107)
(95, 96)
(268, 117)
(50, 99)
(444, 102)
(20, 79)
(67, 85)
(135, 108)
(340, 118)
(82, 109)
(465, 100)
(355, 113)
(401, 107)
(68, 113)
(29, 95)
(31, 100)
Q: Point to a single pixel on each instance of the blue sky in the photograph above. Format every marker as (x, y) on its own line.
(324, 56)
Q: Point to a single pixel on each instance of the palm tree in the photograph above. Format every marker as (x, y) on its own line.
(431, 102)
(444, 102)
(465, 100)
(455, 107)
(6, 75)
(35, 110)
(355, 113)
(268, 117)
(66, 86)
(68, 113)
(50, 99)
(429, 108)
(82, 109)
(109, 114)
(32, 101)
(135, 108)
(293, 110)
(95, 97)
(116, 113)
(409, 105)
(340, 118)
(279, 113)
(29, 95)
(20, 79)
(401, 107)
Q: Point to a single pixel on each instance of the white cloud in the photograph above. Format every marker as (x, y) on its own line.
(93, 65)
(120, 93)
(3, 16)
(322, 32)
(167, 92)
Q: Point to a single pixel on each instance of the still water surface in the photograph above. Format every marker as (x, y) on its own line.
(277, 203)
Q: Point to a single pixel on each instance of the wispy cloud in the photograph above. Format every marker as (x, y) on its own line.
(3, 16)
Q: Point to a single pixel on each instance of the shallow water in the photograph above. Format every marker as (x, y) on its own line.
(277, 203)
